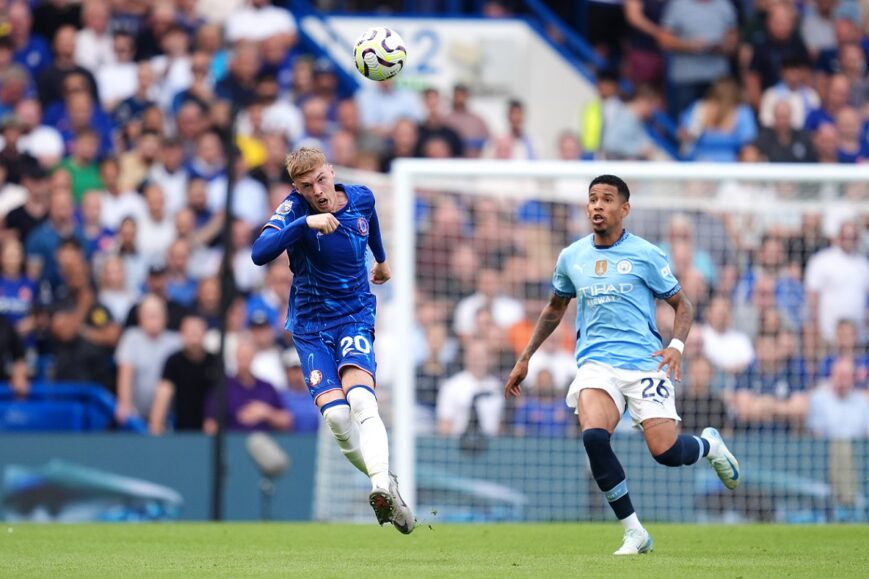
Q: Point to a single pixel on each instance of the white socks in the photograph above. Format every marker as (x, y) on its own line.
(631, 522)
(346, 434)
(373, 441)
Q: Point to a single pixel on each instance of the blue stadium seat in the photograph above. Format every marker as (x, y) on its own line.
(80, 407)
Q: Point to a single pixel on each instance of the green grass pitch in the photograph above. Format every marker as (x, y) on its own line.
(515, 550)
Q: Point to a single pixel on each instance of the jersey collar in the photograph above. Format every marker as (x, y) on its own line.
(623, 236)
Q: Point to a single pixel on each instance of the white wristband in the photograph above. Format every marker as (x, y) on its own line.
(677, 344)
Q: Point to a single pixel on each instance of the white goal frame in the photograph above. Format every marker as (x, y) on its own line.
(405, 172)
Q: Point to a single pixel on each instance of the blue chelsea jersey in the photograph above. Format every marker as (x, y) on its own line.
(330, 273)
(615, 288)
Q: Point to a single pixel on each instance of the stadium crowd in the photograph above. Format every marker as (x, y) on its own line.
(114, 120)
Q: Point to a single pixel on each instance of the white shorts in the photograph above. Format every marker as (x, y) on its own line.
(647, 394)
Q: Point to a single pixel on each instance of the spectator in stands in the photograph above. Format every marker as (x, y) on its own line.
(781, 142)
(42, 243)
(521, 145)
(382, 104)
(82, 163)
(434, 125)
(279, 114)
(699, 400)
(156, 229)
(97, 237)
(718, 126)
(40, 141)
(12, 157)
(402, 144)
(140, 356)
(84, 334)
(13, 366)
(297, 398)
(51, 83)
(781, 42)
(826, 142)
(31, 50)
(437, 365)
(847, 345)
(680, 228)
(645, 61)
(208, 162)
(239, 85)
(188, 377)
(117, 203)
(728, 348)
(792, 89)
(116, 80)
(18, 292)
(625, 136)
(272, 297)
(250, 201)
(748, 316)
(180, 286)
(818, 26)
(851, 148)
(22, 220)
(542, 412)
(472, 398)
(700, 36)
(837, 410)
(247, 275)
(266, 365)
(253, 405)
(367, 141)
(769, 260)
(765, 398)
(125, 247)
(138, 160)
(93, 43)
(837, 281)
(169, 173)
(601, 111)
(470, 126)
(112, 290)
(207, 304)
(835, 98)
(315, 130)
(258, 20)
(506, 310)
(569, 147)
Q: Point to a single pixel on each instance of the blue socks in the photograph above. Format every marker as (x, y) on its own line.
(608, 471)
(686, 450)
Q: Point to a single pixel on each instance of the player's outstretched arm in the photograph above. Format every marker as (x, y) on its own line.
(273, 241)
(671, 356)
(549, 319)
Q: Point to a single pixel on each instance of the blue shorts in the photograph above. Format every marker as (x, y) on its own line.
(323, 355)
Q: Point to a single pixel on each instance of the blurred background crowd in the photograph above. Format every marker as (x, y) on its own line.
(114, 122)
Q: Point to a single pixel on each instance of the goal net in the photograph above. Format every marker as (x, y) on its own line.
(774, 259)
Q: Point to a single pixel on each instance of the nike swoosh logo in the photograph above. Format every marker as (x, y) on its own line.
(733, 468)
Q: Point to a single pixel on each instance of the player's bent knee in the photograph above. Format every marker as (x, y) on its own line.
(338, 418)
(363, 402)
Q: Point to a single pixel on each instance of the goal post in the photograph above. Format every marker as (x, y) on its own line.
(517, 475)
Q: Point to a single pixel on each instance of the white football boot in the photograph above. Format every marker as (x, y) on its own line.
(722, 460)
(636, 542)
(402, 517)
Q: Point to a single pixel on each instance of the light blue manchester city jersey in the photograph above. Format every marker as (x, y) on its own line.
(615, 288)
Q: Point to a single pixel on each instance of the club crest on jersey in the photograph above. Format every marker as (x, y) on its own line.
(624, 266)
(315, 377)
(284, 207)
(600, 267)
(362, 226)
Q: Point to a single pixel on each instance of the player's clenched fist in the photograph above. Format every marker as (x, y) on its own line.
(380, 273)
(325, 223)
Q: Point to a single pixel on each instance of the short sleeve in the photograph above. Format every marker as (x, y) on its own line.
(659, 276)
(670, 17)
(170, 370)
(126, 348)
(562, 285)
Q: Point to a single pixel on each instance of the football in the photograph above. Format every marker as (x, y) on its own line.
(380, 53)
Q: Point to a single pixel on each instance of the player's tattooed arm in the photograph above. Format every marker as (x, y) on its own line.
(671, 358)
(549, 319)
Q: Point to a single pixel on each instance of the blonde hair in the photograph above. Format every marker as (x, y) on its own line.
(304, 160)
